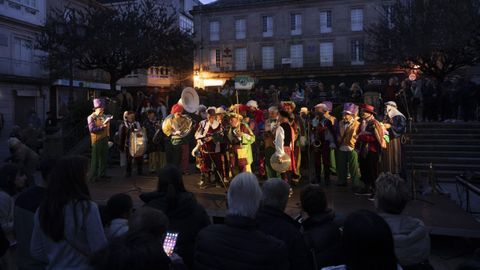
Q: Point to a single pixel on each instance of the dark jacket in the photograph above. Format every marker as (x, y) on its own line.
(323, 236)
(281, 226)
(239, 245)
(26, 205)
(187, 218)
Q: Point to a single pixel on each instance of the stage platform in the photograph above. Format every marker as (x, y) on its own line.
(440, 214)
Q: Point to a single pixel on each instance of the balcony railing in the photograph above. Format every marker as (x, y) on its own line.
(9, 66)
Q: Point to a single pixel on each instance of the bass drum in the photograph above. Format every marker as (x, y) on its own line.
(138, 143)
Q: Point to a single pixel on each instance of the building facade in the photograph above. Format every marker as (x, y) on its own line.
(23, 79)
(283, 39)
(161, 78)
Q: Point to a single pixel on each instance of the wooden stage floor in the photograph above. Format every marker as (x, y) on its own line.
(440, 214)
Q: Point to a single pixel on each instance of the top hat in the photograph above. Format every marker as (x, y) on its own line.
(329, 105)
(368, 108)
(98, 103)
(350, 108)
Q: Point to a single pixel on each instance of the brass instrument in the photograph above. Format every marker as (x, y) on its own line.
(177, 127)
(182, 126)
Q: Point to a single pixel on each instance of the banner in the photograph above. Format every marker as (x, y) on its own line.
(244, 83)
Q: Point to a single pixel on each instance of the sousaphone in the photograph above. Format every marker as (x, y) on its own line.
(189, 100)
(182, 126)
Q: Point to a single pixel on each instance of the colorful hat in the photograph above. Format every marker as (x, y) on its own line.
(329, 105)
(391, 103)
(273, 109)
(220, 110)
(242, 108)
(284, 104)
(211, 110)
(252, 103)
(177, 108)
(321, 106)
(98, 103)
(350, 108)
(235, 115)
(368, 108)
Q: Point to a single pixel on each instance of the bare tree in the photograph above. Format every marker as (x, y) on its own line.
(436, 36)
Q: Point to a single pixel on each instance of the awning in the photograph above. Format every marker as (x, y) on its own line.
(85, 84)
(28, 93)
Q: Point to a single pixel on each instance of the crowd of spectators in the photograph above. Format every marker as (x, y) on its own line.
(55, 224)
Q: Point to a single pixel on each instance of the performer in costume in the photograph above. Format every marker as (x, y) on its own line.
(396, 124)
(222, 118)
(156, 142)
(209, 136)
(240, 138)
(323, 139)
(268, 138)
(284, 143)
(174, 128)
(256, 123)
(99, 127)
(126, 130)
(299, 139)
(369, 144)
(347, 158)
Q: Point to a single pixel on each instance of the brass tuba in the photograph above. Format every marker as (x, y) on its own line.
(182, 126)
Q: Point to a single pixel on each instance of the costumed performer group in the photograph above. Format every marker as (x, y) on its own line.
(278, 142)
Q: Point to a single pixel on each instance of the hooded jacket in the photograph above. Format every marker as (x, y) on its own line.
(411, 239)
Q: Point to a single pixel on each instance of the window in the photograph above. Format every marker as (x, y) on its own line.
(215, 58)
(240, 29)
(267, 22)
(356, 17)
(3, 40)
(326, 54)
(389, 16)
(186, 24)
(296, 56)
(268, 57)
(22, 49)
(326, 21)
(296, 24)
(357, 52)
(27, 3)
(240, 59)
(215, 31)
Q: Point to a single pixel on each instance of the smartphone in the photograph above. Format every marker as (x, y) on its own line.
(170, 242)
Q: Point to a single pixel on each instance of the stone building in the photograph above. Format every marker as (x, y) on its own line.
(23, 79)
(273, 39)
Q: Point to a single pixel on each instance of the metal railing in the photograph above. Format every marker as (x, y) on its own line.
(468, 188)
(10, 66)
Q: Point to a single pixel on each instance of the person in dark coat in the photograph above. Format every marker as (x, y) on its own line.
(239, 244)
(321, 228)
(273, 221)
(186, 216)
